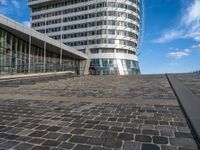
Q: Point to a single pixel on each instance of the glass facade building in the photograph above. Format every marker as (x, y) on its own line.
(21, 54)
(106, 30)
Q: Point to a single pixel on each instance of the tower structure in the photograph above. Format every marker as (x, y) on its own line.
(107, 30)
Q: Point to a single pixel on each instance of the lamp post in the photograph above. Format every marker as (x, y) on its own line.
(29, 48)
(61, 40)
(45, 45)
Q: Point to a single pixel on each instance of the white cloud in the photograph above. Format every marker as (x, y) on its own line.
(188, 27)
(179, 54)
(168, 36)
(196, 46)
(3, 2)
(193, 13)
(187, 50)
(26, 23)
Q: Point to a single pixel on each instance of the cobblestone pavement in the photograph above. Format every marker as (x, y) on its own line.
(155, 89)
(192, 81)
(94, 113)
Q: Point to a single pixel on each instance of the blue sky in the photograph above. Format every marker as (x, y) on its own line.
(171, 38)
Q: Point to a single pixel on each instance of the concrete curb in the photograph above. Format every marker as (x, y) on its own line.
(35, 75)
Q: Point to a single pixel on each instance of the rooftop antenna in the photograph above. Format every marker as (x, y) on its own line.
(142, 26)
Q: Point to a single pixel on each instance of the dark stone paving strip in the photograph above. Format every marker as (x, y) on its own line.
(190, 104)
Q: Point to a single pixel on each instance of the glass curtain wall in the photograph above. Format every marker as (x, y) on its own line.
(112, 66)
(14, 57)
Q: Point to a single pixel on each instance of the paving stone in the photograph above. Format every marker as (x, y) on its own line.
(93, 133)
(52, 135)
(163, 123)
(40, 148)
(131, 146)
(2, 141)
(63, 123)
(2, 135)
(51, 143)
(168, 133)
(143, 138)
(66, 145)
(132, 130)
(56, 148)
(31, 126)
(23, 146)
(82, 147)
(78, 139)
(160, 140)
(88, 126)
(138, 121)
(36, 140)
(76, 125)
(11, 137)
(150, 132)
(54, 128)
(123, 120)
(27, 120)
(64, 137)
(153, 122)
(109, 135)
(112, 119)
(65, 130)
(100, 148)
(117, 129)
(125, 136)
(38, 133)
(96, 141)
(42, 127)
(166, 128)
(25, 132)
(116, 124)
(24, 138)
(110, 143)
(101, 127)
(9, 144)
(78, 120)
(92, 122)
(23, 124)
(147, 127)
(78, 131)
(150, 147)
(6, 129)
(15, 130)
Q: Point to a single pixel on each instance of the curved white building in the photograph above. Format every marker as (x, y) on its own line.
(107, 30)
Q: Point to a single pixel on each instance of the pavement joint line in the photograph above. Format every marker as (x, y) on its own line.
(189, 103)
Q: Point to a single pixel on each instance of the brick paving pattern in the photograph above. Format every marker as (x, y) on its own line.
(94, 113)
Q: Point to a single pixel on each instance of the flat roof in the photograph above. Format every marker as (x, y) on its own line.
(38, 39)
